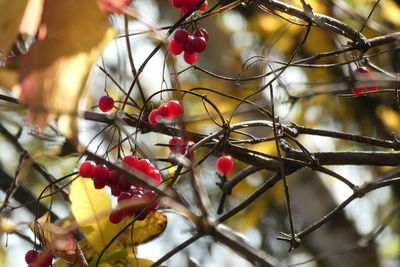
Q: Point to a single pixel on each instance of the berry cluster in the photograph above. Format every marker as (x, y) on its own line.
(189, 44)
(365, 76)
(106, 103)
(35, 258)
(126, 191)
(165, 111)
(224, 164)
(186, 5)
(179, 146)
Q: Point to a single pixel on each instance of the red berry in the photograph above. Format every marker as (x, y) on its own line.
(150, 196)
(43, 259)
(30, 256)
(106, 103)
(224, 164)
(174, 47)
(99, 182)
(87, 169)
(163, 110)
(101, 172)
(123, 183)
(174, 108)
(357, 91)
(155, 176)
(181, 36)
(178, 3)
(113, 177)
(124, 196)
(115, 190)
(184, 10)
(199, 44)
(143, 165)
(116, 216)
(177, 142)
(188, 47)
(203, 6)
(153, 117)
(365, 80)
(201, 33)
(129, 161)
(190, 58)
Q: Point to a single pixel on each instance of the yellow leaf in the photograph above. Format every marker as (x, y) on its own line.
(136, 262)
(55, 69)
(90, 208)
(389, 117)
(146, 230)
(10, 19)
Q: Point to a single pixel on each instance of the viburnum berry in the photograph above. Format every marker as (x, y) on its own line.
(115, 190)
(101, 172)
(30, 256)
(87, 169)
(178, 3)
(151, 196)
(130, 161)
(199, 44)
(144, 166)
(116, 216)
(224, 164)
(98, 182)
(43, 259)
(106, 103)
(364, 78)
(174, 47)
(190, 58)
(176, 143)
(153, 117)
(123, 183)
(201, 33)
(188, 47)
(163, 111)
(113, 177)
(174, 108)
(181, 36)
(155, 176)
(203, 6)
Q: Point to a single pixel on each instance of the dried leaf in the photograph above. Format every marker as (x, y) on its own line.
(55, 69)
(58, 240)
(90, 208)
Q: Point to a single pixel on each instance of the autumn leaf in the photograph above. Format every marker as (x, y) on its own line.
(53, 73)
(90, 208)
(58, 240)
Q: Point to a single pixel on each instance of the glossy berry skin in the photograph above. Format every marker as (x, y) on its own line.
(174, 108)
(188, 47)
(116, 216)
(153, 117)
(181, 36)
(199, 44)
(124, 184)
(224, 164)
(163, 111)
(174, 47)
(99, 183)
(203, 6)
(113, 177)
(129, 161)
(201, 33)
(175, 141)
(155, 177)
(87, 169)
(365, 80)
(190, 58)
(106, 103)
(101, 172)
(30, 256)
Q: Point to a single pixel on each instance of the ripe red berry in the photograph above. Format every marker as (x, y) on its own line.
(151, 196)
(174, 47)
(113, 177)
(106, 103)
(199, 44)
(98, 182)
(87, 169)
(124, 196)
(190, 58)
(163, 110)
(224, 164)
(178, 3)
(203, 6)
(116, 216)
(365, 81)
(155, 177)
(201, 33)
(123, 183)
(144, 166)
(188, 47)
(30, 256)
(181, 36)
(101, 172)
(174, 108)
(115, 190)
(129, 161)
(153, 117)
(176, 143)
(184, 10)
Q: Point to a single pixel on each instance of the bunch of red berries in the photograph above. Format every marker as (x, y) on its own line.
(364, 78)
(165, 111)
(121, 187)
(186, 5)
(35, 258)
(189, 44)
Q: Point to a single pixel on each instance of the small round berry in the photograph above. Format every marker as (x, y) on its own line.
(174, 47)
(143, 165)
(113, 177)
(124, 196)
(163, 110)
(203, 6)
(129, 161)
(123, 183)
(44, 259)
(224, 164)
(101, 172)
(174, 108)
(87, 169)
(199, 44)
(181, 36)
(151, 196)
(153, 117)
(178, 3)
(115, 190)
(201, 33)
(99, 182)
(176, 143)
(155, 176)
(106, 103)
(365, 80)
(188, 47)
(184, 10)
(190, 58)
(357, 91)
(116, 216)
(30, 256)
